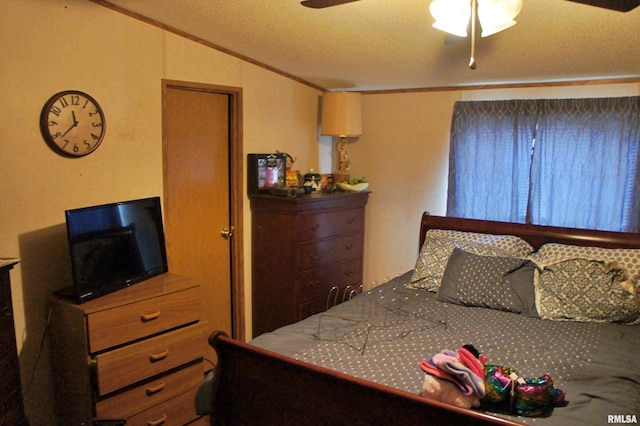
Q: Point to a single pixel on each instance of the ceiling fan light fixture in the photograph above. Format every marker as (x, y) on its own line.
(489, 29)
(452, 16)
(497, 15)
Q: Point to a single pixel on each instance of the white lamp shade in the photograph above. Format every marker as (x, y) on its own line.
(497, 15)
(341, 114)
(452, 16)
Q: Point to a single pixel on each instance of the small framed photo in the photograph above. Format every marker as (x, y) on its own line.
(326, 180)
(265, 171)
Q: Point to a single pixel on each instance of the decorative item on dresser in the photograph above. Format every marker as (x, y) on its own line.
(11, 407)
(342, 117)
(301, 248)
(134, 354)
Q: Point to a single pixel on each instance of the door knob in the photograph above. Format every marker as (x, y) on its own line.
(227, 233)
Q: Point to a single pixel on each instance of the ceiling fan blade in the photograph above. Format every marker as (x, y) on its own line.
(619, 5)
(319, 4)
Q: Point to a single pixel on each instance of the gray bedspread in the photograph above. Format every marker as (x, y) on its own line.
(382, 335)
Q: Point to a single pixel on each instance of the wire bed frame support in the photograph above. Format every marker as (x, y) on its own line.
(375, 309)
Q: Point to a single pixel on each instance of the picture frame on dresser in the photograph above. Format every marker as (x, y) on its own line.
(265, 171)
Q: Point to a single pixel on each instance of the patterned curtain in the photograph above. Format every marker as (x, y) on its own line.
(585, 164)
(561, 162)
(489, 159)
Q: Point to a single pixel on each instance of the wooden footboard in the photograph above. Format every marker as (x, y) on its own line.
(253, 386)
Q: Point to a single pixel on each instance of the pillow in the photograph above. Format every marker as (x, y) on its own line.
(439, 244)
(588, 291)
(552, 253)
(504, 283)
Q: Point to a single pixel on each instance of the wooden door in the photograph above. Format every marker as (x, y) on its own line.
(198, 151)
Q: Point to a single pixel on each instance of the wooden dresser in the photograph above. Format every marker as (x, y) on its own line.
(301, 248)
(11, 407)
(135, 354)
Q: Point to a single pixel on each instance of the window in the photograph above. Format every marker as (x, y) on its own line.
(560, 162)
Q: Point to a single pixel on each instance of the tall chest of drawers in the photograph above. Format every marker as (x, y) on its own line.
(301, 249)
(135, 354)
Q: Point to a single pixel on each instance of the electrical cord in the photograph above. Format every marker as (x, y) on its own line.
(40, 350)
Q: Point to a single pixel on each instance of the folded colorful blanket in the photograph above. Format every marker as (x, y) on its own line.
(462, 368)
(461, 378)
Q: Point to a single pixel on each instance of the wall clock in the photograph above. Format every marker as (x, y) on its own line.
(72, 123)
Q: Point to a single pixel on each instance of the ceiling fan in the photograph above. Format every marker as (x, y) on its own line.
(619, 5)
(454, 18)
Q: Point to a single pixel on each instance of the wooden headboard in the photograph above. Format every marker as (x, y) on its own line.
(535, 235)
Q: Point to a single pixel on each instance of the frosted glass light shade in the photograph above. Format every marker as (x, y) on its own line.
(341, 114)
(497, 15)
(452, 16)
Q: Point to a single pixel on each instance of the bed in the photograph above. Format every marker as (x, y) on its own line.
(570, 312)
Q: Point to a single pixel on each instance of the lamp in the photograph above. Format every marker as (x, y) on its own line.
(452, 16)
(342, 117)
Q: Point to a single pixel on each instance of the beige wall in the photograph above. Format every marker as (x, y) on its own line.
(55, 45)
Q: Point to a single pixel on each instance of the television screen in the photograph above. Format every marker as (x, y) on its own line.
(114, 246)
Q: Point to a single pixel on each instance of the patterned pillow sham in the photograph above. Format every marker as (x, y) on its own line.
(494, 282)
(439, 244)
(552, 253)
(587, 291)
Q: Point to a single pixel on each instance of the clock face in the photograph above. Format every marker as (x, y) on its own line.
(72, 123)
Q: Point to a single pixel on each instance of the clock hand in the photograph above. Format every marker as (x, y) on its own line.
(75, 123)
(68, 130)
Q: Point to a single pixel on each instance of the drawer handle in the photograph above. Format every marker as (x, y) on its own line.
(159, 356)
(155, 389)
(349, 272)
(348, 247)
(157, 422)
(351, 220)
(315, 255)
(315, 284)
(150, 317)
(314, 227)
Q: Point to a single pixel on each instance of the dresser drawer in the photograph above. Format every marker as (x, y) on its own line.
(10, 376)
(312, 307)
(321, 304)
(130, 364)
(179, 410)
(145, 396)
(323, 252)
(125, 323)
(318, 282)
(324, 225)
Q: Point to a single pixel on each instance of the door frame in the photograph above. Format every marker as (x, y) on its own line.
(236, 174)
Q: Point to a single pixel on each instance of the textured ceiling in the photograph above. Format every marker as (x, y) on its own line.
(390, 44)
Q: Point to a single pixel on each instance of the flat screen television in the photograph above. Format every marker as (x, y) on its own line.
(113, 246)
